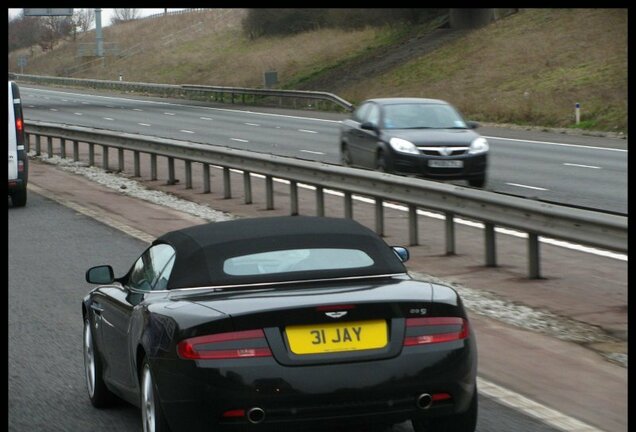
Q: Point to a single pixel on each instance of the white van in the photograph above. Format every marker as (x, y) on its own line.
(18, 159)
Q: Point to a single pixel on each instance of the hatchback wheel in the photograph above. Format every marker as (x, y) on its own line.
(345, 156)
(152, 417)
(477, 181)
(382, 164)
(98, 393)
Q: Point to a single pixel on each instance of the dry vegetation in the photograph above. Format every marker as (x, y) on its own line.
(530, 68)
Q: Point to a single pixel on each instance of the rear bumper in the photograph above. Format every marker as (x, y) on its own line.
(17, 185)
(379, 392)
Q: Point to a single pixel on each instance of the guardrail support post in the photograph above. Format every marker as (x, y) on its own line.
(120, 155)
(348, 204)
(269, 192)
(206, 178)
(491, 249)
(188, 174)
(62, 148)
(227, 186)
(49, 146)
(413, 234)
(293, 197)
(320, 201)
(247, 187)
(534, 263)
(38, 145)
(379, 216)
(171, 177)
(76, 151)
(450, 233)
(136, 164)
(91, 154)
(105, 157)
(153, 166)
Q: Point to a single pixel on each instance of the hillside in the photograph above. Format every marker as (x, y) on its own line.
(529, 68)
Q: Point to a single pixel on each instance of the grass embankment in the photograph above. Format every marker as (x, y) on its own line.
(529, 68)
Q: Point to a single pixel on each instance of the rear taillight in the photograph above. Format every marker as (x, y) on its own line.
(19, 124)
(232, 345)
(422, 331)
(20, 166)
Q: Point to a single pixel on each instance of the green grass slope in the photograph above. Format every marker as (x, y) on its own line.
(529, 68)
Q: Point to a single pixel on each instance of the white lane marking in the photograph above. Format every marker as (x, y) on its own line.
(581, 166)
(205, 118)
(169, 113)
(108, 118)
(534, 409)
(137, 109)
(52, 109)
(64, 100)
(31, 106)
(239, 140)
(554, 143)
(143, 124)
(527, 187)
(252, 124)
(501, 394)
(86, 103)
(78, 114)
(313, 152)
(186, 131)
(307, 131)
(110, 106)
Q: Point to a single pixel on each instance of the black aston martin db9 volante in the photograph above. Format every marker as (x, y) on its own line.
(278, 323)
(422, 137)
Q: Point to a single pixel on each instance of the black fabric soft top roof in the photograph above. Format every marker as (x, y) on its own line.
(202, 249)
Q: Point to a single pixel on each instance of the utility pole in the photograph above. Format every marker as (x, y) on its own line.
(99, 39)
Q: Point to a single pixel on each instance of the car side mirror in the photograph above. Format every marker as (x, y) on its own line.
(101, 275)
(369, 126)
(402, 253)
(472, 124)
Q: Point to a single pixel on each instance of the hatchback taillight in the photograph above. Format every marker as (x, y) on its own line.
(422, 331)
(232, 345)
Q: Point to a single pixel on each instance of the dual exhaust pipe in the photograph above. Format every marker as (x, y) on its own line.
(424, 401)
(256, 415)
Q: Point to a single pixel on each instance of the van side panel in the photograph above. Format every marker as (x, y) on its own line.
(13, 139)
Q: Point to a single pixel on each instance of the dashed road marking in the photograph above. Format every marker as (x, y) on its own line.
(527, 187)
(581, 166)
(239, 140)
(186, 131)
(307, 131)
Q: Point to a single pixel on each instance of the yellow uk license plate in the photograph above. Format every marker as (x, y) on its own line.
(336, 337)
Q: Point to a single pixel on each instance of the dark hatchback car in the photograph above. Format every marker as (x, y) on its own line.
(279, 323)
(422, 137)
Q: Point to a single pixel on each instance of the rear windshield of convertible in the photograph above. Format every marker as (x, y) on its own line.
(292, 260)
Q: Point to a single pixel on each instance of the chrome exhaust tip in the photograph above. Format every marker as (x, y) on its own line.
(256, 415)
(424, 401)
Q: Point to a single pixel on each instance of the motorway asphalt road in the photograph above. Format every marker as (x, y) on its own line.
(554, 373)
(585, 171)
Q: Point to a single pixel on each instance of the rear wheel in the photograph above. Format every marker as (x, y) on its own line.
(19, 198)
(345, 156)
(152, 417)
(464, 422)
(98, 393)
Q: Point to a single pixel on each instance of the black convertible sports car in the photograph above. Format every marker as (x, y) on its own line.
(279, 323)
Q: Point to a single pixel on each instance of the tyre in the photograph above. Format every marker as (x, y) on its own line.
(381, 163)
(19, 198)
(478, 182)
(98, 393)
(152, 418)
(345, 156)
(464, 422)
